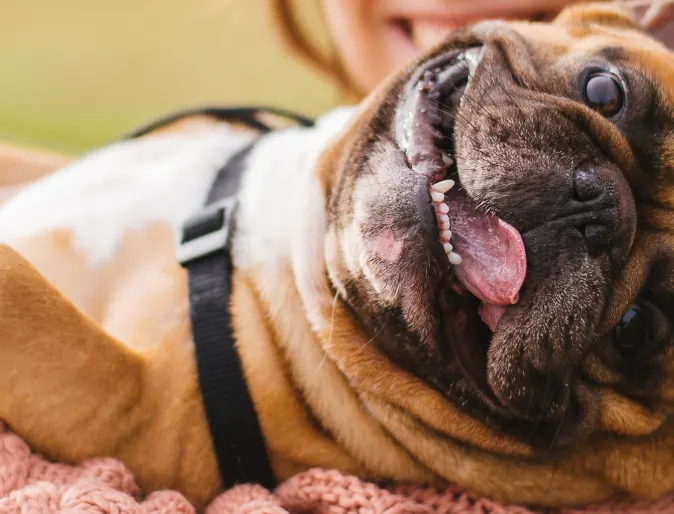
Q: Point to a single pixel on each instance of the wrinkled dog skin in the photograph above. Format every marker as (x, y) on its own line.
(530, 150)
(470, 278)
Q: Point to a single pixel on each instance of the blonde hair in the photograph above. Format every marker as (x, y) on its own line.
(296, 36)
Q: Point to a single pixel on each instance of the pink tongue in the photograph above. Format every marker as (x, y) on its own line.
(491, 314)
(494, 260)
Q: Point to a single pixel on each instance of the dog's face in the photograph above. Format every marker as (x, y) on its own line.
(503, 223)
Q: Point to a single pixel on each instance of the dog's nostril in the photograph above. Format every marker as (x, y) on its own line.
(594, 210)
(587, 185)
(596, 237)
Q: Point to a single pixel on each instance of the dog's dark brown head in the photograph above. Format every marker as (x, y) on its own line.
(503, 225)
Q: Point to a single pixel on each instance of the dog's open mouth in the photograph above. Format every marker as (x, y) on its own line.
(485, 254)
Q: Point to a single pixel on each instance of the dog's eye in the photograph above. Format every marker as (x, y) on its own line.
(630, 333)
(604, 93)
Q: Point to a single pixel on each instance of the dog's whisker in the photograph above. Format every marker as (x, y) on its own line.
(331, 327)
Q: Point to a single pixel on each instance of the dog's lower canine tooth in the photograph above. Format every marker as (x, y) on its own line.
(443, 186)
(454, 258)
(437, 196)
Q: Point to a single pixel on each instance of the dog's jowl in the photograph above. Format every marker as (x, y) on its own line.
(468, 277)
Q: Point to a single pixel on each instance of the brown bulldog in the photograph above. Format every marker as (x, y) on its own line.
(470, 277)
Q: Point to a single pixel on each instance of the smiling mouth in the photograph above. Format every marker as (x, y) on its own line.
(484, 254)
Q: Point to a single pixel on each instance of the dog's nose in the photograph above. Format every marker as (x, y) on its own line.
(586, 185)
(598, 201)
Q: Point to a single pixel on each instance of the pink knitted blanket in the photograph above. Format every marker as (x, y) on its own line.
(29, 484)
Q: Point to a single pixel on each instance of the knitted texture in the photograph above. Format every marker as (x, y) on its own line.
(31, 485)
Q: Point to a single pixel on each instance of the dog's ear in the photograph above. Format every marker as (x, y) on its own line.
(654, 16)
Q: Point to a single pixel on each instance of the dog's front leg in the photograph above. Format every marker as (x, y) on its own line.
(66, 386)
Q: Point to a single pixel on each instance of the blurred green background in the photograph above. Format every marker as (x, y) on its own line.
(79, 73)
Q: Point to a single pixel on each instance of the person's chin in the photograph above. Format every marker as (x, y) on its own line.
(425, 35)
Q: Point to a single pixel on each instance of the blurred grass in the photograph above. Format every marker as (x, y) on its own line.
(78, 73)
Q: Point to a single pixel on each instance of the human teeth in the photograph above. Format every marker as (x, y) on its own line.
(443, 186)
(443, 208)
(445, 235)
(454, 258)
(437, 196)
(448, 248)
(447, 159)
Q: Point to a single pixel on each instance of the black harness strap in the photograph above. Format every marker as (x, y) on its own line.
(245, 115)
(204, 250)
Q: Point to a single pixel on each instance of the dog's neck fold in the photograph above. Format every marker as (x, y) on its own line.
(280, 269)
(314, 376)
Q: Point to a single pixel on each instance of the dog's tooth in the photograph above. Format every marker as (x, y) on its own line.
(443, 208)
(448, 248)
(447, 159)
(437, 196)
(443, 225)
(443, 186)
(454, 258)
(443, 218)
(445, 236)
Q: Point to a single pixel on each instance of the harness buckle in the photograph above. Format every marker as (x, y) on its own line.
(206, 232)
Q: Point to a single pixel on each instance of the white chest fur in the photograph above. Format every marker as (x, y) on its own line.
(118, 188)
(165, 178)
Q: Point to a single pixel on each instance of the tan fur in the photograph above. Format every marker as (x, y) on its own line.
(21, 165)
(202, 122)
(148, 382)
(325, 397)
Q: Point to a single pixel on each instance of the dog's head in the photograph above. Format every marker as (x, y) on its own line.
(501, 224)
